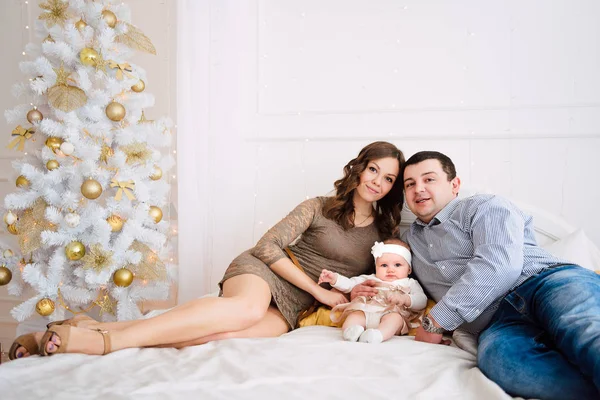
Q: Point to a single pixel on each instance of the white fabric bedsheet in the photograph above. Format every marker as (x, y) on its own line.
(308, 363)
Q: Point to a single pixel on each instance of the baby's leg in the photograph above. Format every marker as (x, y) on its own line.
(388, 326)
(354, 326)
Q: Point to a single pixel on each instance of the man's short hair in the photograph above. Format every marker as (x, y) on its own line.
(447, 164)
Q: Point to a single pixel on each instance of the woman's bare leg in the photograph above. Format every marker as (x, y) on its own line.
(272, 325)
(245, 301)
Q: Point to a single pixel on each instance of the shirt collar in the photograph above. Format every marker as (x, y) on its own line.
(441, 216)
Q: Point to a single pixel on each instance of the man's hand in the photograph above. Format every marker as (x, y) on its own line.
(368, 289)
(327, 277)
(436, 338)
(329, 297)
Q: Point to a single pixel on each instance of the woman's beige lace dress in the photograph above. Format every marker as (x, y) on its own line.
(323, 244)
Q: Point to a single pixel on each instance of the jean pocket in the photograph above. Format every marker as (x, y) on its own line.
(517, 302)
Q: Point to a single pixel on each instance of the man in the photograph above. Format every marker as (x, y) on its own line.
(538, 317)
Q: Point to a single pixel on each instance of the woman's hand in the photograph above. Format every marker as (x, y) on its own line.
(367, 289)
(330, 298)
(327, 277)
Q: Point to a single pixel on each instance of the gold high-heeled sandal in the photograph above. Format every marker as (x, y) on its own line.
(63, 332)
(28, 342)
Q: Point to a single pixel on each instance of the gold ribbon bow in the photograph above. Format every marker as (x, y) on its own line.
(124, 68)
(124, 187)
(22, 135)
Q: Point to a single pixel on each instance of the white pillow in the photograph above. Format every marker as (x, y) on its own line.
(577, 248)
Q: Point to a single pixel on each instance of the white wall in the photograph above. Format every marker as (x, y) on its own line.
(276, 95)
(156, 18)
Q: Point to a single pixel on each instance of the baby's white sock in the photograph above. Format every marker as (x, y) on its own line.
(353, 333)
(371, 336)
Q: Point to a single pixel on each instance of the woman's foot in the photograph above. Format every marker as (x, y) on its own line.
(80, 321)
(25, 346)
(69, 339)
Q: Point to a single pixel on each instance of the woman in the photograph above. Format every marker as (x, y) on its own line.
(265, 288)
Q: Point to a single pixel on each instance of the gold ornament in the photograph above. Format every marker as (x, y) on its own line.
(139, 86)
(135, 39)
(75, 251)
(49, 39)
(89, 56)
(6, 275)
(10, 218)
(57, 12)
(22, 181)
(156, 174)
(31, 225)
(12, 229)
(106, 305)
(124, 187)
(122, 69)
(53, 143)
(8, 253)
(155, 213)
(44, 307)
(52, 165)
(115, 111)
(150, 266)
(34, 116)
(106, 153)
(115, 222)
(123, 277)
(91, 189)
(97, 258)
(21, 135)
(80, 25)
(64, 96)
(136, 153)
(110, 18)
(144, 120)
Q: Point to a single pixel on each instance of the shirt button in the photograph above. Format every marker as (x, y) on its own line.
(477, 311)
(430, 245)
(443, 267)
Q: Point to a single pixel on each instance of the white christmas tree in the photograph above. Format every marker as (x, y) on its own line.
(88, 207)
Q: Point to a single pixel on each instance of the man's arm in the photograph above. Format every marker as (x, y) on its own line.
(497, 234)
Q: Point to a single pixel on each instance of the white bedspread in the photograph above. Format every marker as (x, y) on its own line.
(308, 363)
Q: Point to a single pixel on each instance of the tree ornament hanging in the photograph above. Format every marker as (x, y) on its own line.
(139, 86)
(155, 213)
(57, 12)
(67, 148)
(124, 187)
(8, 253)
(52, 165)
(34, 116)
(44, 307)
(156, 174)
(123, 277)
(63, 96)
(91, 189)
(12, 229)
(89, 56)
(97, 258)
(150, 266)
(106, 153)
(5, 275)
(72, 219)
(115, 111)
(31, 225)
(53, 143)
(22, 182)
(115, 222)
(110, 18)
(10, 218)
(80, 25)
(21, 135)
(135, 39)
(75, 251)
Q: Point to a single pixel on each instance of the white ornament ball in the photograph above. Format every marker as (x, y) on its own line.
(72, 219)
(8, 253)
(67, 148)
(10, 218)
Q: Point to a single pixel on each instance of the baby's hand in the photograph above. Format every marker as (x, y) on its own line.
(328, 277)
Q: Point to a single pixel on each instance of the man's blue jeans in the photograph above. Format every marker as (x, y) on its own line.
(544, 340)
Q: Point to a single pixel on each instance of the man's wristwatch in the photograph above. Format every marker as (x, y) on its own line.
(429, 327)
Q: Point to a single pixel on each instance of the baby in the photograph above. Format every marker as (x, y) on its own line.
(389, 313)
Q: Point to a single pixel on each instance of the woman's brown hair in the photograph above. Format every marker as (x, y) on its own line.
(340, 208)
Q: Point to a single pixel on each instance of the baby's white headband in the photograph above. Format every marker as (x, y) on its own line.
(379, 248)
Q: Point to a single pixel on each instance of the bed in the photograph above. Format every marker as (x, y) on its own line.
(308, 363)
